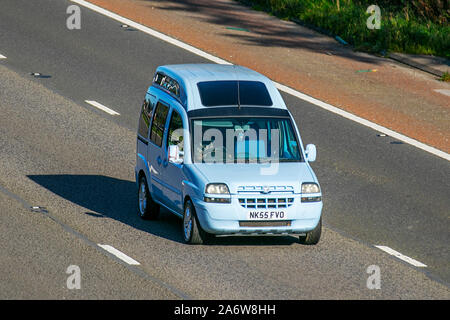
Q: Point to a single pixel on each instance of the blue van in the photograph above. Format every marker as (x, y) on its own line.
(217, 147)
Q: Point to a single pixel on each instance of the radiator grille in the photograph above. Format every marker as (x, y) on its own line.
(266, 203)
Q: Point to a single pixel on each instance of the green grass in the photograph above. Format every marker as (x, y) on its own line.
(416, 27)
(445, 77)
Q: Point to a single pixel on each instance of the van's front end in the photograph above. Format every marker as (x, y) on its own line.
(288, 203)
(255, 174)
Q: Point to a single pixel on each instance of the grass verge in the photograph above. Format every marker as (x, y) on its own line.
(415, 27)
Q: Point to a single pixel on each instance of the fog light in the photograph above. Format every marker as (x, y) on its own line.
(217, 200)
(311, 199)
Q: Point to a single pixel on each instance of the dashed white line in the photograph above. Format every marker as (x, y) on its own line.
(281, 87)
(402, 257)
(122, 256)
(2, 56)
(443, 91)
(102, 107)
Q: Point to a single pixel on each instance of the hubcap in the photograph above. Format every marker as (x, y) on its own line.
(142, 198)
(187, 222)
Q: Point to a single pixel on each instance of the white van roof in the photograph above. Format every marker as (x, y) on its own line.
(189, 75)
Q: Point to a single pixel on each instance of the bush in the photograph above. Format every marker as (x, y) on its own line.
(418, 26)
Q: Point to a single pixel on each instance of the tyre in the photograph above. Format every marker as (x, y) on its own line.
(313, 236)
(147, 208)
(192, 231)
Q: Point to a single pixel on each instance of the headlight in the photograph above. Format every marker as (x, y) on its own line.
(217, 188)
(310, 188)
(217, 193)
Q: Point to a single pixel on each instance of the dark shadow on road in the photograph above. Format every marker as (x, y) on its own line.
(107, 197)
(259, 33)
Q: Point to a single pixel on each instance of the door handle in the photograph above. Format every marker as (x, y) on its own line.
(159, 160)
(165, 163)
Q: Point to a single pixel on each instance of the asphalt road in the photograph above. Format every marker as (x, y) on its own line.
(60, 153)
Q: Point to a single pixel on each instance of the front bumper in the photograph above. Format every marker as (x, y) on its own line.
(232, 218)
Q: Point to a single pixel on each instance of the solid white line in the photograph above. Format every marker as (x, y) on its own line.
(122, 256)
(365, 122)
(2, 56)
(102, 107)
(443, 91)
(281, 87)
(151, 32)
(401, 256)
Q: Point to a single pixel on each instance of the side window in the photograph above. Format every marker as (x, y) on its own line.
(168, 83)
(146, 115)
(172, 86)
(159, 120)
(175, 136)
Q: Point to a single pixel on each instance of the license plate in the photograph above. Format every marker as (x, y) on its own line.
(266, 215)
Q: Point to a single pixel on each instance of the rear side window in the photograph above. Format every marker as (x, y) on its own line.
(146, 115)
(225, 93)
(167, 83)
(159, 120)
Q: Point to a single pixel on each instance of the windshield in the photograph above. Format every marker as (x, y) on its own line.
(244, 140)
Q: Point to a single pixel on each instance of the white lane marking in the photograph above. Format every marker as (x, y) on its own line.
(281, 87)
(443, 91)
(401, 256)
(102, 107)
(122, 256)
(2, 56)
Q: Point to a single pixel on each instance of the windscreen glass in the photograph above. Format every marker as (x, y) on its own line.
(244, 140)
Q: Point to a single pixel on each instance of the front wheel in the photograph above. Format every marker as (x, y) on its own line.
(313, 236)
(192, 231)
(147, 208)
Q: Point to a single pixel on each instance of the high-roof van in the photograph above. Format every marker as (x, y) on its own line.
(217, 147)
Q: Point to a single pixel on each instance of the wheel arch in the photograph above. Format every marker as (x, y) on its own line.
(186, 199)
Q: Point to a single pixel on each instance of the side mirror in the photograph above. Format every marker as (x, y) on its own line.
(311, 153)
(174, 154)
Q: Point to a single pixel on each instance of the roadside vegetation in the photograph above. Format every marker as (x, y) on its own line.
(445, 77)
(407, 26)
